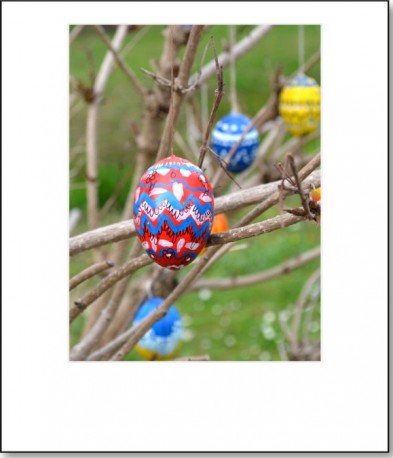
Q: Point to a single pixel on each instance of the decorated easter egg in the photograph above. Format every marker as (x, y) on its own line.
(162, 340)
(220, 224)
(173, 212)
(299, 105)
(315, 195)
(315, 200)
(227, 133)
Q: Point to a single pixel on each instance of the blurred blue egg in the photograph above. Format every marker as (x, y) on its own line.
(227, 132)
(161, 341)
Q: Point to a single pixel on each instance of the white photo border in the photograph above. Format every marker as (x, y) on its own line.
(51, 404)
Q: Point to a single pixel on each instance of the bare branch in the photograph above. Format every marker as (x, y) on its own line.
(253, 230)
(120, 62)
(126, 229)
(182, 81)
(91, 129)
(75, 32)
(127, 269)
(218, 93)
(106, 351)
(299, 307)
(90, 272)
(308, 65)
(232, 70)
(241, 48)
(135, 40)
(246, 280)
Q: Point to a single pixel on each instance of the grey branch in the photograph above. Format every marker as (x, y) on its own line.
(120, 62)
(91, 128)
(182, 81)
(126, 229)
(126, 269)
(246, 280)
(89, 272)
(253, 230)
(299, 307)
(241, 48)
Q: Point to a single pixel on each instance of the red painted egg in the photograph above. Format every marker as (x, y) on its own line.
(173, 212)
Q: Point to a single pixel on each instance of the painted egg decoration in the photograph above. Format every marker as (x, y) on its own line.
(315, 200)
(173, 212)
(315, 195)
(227, 133)
(299, 105)
(220, 224)
(162, 340)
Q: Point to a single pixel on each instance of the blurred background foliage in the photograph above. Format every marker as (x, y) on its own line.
(238, 324)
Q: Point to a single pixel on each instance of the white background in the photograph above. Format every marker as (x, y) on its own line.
(52, 404)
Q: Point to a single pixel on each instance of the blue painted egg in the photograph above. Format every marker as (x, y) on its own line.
(226, 134)
(162, 340)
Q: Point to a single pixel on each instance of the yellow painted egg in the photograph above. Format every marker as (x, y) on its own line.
(299, 105)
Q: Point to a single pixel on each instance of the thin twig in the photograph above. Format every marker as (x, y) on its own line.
(135, 40)
(253, 230)
(246, 280)
(109, 348)
(279, 193)
(308, 65)
(115, 194)
(89, 272)
(120, 62)
(299, 308)
(239, 50)
(299, 186)
(218, 93)
(232, 70)
(75, 32)
(224, 166)
(127, 269)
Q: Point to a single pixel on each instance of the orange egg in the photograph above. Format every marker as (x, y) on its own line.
(315, 195)
(220, 224)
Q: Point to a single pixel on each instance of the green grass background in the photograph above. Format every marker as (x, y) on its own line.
(238, 324)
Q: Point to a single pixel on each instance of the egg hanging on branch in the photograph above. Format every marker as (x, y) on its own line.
(162, 340)
(226, 134)
(173, 212)
(299, 105)
(220, 224)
